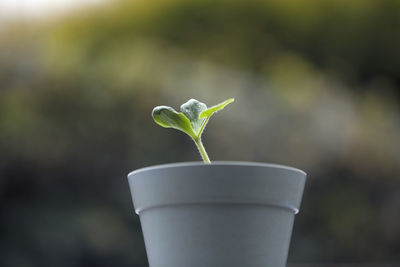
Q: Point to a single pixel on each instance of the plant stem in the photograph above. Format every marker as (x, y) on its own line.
(202, 150)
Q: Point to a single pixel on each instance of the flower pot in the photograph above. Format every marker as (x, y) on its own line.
(233, 214)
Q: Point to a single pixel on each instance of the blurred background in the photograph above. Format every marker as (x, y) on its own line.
(316, 83)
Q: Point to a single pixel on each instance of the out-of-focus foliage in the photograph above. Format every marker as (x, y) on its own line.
(320, 80)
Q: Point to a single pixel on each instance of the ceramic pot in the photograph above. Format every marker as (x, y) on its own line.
(231, 214)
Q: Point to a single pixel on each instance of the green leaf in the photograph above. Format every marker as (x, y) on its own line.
(192, 120)
(167, 117)
(210, 111)
(192, 110)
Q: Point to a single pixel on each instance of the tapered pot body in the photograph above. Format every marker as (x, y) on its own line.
(232, 214)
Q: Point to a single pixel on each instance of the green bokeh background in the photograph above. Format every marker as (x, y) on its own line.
(316, 83)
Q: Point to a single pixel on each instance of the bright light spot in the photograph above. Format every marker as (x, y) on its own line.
(16, 9)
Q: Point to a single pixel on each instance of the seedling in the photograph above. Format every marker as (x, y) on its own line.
(192, 120)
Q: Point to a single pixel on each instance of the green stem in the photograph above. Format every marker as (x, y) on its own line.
(202, 150)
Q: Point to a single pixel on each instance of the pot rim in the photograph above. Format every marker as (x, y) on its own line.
(217, 163)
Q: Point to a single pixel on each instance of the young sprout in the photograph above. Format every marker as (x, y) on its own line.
(191, 120)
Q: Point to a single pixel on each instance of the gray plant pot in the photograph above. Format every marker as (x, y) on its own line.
(233, 214)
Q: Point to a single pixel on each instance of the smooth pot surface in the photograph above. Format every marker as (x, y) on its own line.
(220, 214)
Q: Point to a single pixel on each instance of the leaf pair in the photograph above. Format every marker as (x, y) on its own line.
(191, 120)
